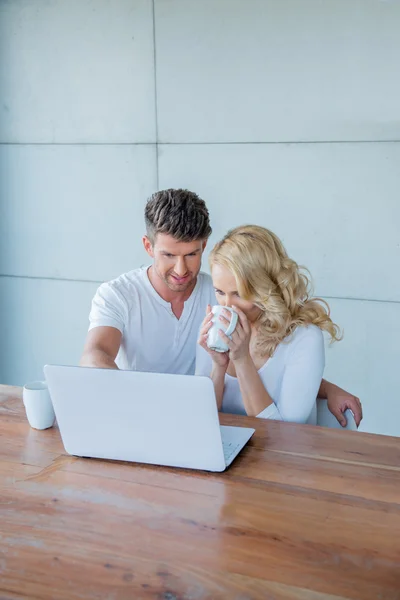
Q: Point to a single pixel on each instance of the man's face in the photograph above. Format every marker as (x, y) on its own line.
(176, 263)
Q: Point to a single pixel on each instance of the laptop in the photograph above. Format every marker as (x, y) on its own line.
(151, 418)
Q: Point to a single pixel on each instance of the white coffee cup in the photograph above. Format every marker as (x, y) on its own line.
(214, 341)
(38, 406)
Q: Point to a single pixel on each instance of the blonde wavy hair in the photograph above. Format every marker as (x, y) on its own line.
(267, 277)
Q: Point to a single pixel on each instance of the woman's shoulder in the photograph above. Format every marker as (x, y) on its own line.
(305, 335)
(304, 341)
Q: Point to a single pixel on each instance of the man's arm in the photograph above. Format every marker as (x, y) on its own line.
(101, 348)
(339, 400)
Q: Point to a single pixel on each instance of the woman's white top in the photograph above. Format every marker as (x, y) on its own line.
(292, 377)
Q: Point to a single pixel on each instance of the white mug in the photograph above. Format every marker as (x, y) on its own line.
(214, 341)
(38, 406)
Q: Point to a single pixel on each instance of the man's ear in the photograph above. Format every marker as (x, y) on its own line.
(148, 246)
(203, 246)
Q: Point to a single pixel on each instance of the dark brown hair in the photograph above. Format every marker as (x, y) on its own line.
(179, 213)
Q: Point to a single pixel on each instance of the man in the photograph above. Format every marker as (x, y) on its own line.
(148, 319)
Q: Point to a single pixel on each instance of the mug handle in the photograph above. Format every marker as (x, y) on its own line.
(232, 323)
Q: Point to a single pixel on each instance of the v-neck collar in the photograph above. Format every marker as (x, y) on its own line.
(187, 303)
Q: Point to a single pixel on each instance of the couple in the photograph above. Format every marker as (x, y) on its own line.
(149, 319)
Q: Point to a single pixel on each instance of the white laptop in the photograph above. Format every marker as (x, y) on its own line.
(151, 418)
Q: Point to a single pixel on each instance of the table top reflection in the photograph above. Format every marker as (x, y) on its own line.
(303, 513)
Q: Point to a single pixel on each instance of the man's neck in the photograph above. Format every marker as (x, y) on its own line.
(174, 298)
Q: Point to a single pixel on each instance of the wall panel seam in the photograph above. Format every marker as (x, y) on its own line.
(98, 282)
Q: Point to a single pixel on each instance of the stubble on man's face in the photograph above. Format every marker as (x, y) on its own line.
(177, 264)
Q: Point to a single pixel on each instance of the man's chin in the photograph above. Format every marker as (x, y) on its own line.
(174, 286)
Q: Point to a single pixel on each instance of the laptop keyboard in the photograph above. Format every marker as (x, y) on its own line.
(230, 449)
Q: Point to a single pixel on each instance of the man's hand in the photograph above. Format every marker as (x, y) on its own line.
(339, 401)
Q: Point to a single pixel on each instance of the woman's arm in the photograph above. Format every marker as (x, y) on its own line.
(302, 375)
(207, 368)
(210, 363)
(254, 395)
(218, 379)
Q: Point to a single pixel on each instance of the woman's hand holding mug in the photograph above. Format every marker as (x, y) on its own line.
(238, 343)
(210, 338)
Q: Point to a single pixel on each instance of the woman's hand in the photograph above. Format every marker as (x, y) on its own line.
(239, 345)
(220, 359)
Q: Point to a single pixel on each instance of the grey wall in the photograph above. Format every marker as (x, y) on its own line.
(281, 112)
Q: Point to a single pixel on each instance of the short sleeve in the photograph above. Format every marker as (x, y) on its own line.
(302, 375)
(109, 309)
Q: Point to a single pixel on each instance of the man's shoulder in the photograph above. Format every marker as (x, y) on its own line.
(206, 289)
(205, 281)
(134, 277)
(125, 285)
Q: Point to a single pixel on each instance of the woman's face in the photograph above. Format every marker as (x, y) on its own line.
(227, 295)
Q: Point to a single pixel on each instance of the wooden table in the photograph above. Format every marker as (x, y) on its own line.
(303, 513)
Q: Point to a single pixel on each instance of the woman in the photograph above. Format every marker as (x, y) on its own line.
(276, 355)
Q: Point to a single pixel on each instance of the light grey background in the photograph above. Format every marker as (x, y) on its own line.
(284, 113)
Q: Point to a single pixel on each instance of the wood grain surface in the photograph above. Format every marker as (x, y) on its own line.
(304, 513)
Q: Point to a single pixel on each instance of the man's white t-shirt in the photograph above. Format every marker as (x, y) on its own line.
(153, 339)
(292, 377)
